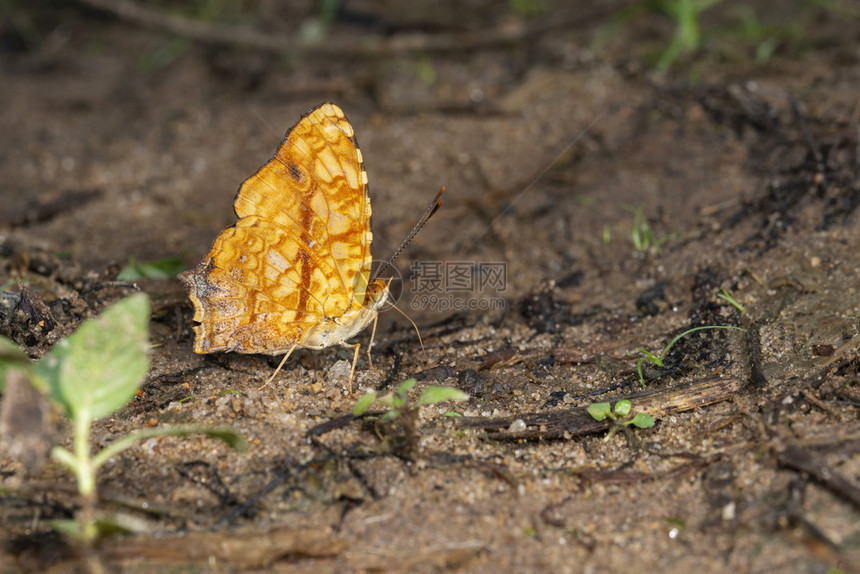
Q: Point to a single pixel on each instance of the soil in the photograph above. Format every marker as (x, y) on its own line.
(123, 140)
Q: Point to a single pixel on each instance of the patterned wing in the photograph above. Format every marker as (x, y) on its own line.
(300, 251)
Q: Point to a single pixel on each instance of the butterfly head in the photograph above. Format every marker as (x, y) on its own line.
(377, 293)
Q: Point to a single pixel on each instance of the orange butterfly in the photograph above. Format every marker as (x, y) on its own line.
(294, 271)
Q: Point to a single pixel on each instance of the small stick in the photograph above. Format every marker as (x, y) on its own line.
(577, 421)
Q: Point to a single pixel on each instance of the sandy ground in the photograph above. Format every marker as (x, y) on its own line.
(123, 142)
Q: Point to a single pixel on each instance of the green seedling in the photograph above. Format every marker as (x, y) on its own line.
(658, 359)
(89, 375)
(738, 26)
(403, 411)
(426, 70)
(676, 526)
(620, 416)
(527, 8)
(164, 54)
(685, 14)
(398, 401)
(726, 296)
(642, 233)
(767, 38)
(192, 15)
(161, 269)
(676, 522)
(315, 29)
(688, 36)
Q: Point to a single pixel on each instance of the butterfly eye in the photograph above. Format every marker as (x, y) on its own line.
(376, 290)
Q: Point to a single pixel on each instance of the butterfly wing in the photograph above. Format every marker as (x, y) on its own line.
(300, 252)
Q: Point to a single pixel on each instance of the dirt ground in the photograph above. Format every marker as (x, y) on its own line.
(122, 140)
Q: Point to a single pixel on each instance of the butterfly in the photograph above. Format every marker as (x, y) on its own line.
(294, 271)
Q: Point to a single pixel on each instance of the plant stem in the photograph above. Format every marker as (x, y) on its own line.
(83, 462)
(658, 360)
(693, 330)
(85, 471)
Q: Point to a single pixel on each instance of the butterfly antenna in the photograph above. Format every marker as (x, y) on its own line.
(414, 326)
(431, 209)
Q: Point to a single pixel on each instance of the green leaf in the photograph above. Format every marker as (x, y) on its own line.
(642, 421)
(387, 400)
(639, 371)
(228, 436)
(651, 357)
(436, 394)
(65, 457)
(599, 411)
(111, 526)
(405, 387)
(97, 369)
(70, 528)
(622, 408)
(363, 403)
(677, 522)
(10, 353)
(166, 268)
(725, 295)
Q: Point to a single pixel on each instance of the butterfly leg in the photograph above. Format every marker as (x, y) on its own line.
(370, 345)
(281, 364)
(356, 347)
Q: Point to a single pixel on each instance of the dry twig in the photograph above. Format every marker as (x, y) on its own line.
(577, 421)
(365, 47)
